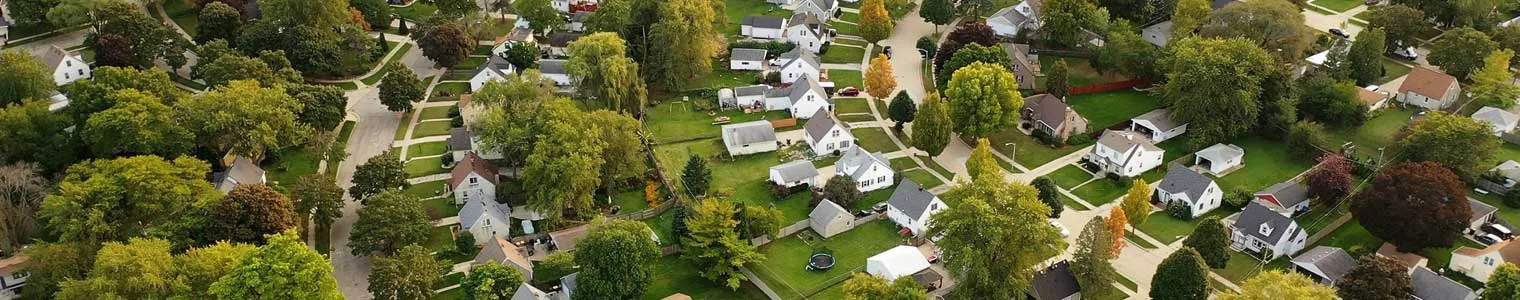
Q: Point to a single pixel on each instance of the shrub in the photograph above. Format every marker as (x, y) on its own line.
(1080, 139)
(1179, 210)
(454, 111)
(928, 45)
(1512, 198)
(1237, 199)
(772, 48)
(780, 191)
(456, 122)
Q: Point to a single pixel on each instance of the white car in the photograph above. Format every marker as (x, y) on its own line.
(1060, 227)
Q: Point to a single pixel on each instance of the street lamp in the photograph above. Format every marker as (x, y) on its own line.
(1015, 148)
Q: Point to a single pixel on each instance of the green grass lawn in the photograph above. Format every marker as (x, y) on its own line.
(857, 118)
(849, 17)
(1377, 132)
(1242, 266)
(846, 78)
(425, 166)
(291, 164)
(417, 11)
(860, 43)
(871, 198)
(851, 105)
(1166, 229)
(440, 208)
(662, 225)
(1507, 151)
(427, 149)
(1353, 238)
(1339, 5)
(630, 200)
(1321, 215)
(722, 77)
(435, 113)
(431, 128)
(844, 28)
(902, 164)
(874, 140)
(184, 14)
(1080, 72)
(375, 78)
(470, 63)
(738, 9)
(1106, 109)
(1069, 176)
(1510, 214)
(838, 54)
(758, 193)
(452, 88)
(1025, 150)
(454, 294)
(676, 275)
(1393, 69)
(1131, 237)
(1100, 192)
(440, 238)
(929, 161)
(677, 121)
(1266, 163)
(426, 189)
(402, 127)
(1072, 203)
(783, 269)
(727, 173)
(923, 178)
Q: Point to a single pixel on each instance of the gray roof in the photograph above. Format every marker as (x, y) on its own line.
(799, 55)
(824, 4)
(1047, 108)
(749, 133)
(496, 64)
(910, 198)
(1158, 34)
(476, 208)
(1480, 209)
(800, 88)
(1330, 263)
(1009, 13)
(1160, 117)
(764, 21)
(520, 35)
(1509, 168)
(746, 54)
(1287, 194)
(827, 210)
(1124, 140)
(1495, 116)
(567, 285)
(243, 171)
(506, 253)
(820, 124)
(528, 292)
(1431, 286)
(459, 139)
(54, 56)
(552, 66)
(1054, 283)
(814, 25)
(858, 159)
(1180, 179)
(1221, 152)
(796, 170)
(562, 39)
(1249, 223)
(753, 90)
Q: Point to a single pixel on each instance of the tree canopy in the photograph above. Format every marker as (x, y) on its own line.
(1279, 284)
(116, 199)
(932, 126)
(410, 274)
(282, 269)
(564, 168)
(862, 286)
(1212, 241)
(1181, 276)
(994, 238)
(493, 280)
(1414, 205)
(1461, 51)
(23, 77)
(1376, 278)
(1214, 85)
(1276, 25)
(984, 99)
(1089, 263)
(389, 222)
(248, 213)
(1462, 144)
(617, 260)
(380, 173)
(243, 118)
(714, 246)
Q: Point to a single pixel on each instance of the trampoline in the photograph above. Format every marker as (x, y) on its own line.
(821, 261)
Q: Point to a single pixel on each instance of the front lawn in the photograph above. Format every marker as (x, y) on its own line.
(923, 178)
(427, 149)
(1166, 229)
(849, 17)
(431, 128)
(1024, 149)
(902, 164)
(1242, 266)
(440, 238)
(440, 208)
(1130, 236)
(678, 121)
(851, 105)
(1100, 192)
(1069, 176)
(846, 78)
(1339, 5)
(676, 275)
(470, 63)
(416, 12)
(291, 164)
(425, 166)
(449, 88)
(785, 260)
(1377, 132)
(426, 189)
(844, 28)
(435, 113)
(1266, 163)
(874, 140)
(1106, 109)
(929, 161)
(841, 54)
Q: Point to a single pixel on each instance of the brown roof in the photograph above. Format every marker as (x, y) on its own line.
(472, 164)
(1370, 97)
(12, 264)
(1507, 250)
(505, 252)
(565, 239)
(1427, 82)
(677, 296)
(1408, 259)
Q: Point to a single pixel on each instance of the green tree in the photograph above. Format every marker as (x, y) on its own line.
(932, 125)
(312, 13)
(554, 267)
(243, 118)
(623, 150)
(1188, 16)
(843, 190)
(1378, 278)
(410, 274)
(973, 53)
(219, 21)
(617, 260)
(91, 95)
(1090, 261)
(202, 267)
(116, 199)
(1181, 276)
(1132, 10)
(540, 14)
(388, 222)
(901, 110)
(1220, 82)
(984, 99)
(22, 189)
(1403, 24)
(493, 280)
(862, 286)
(1049, 195)
(1464, 145)
(218, 70)
(248, 213)
(1504, 283)
(994, 239)
(523, 55)
(1508, 37)
(1461, 51)
(1212, 241)
(1063, 21)
(400, 88)
(1275, 25)
(714, 246)
(379, 174)
(138, 124)
(81, 12)
(376, 12)
(282, 269)
(875, 24)
(760, 220)
(1367, 55)
(139, 269)
(324, 106)
(51, 264)
(511, 122)
(30, 12)
(23, 77)
(1409, 205)
(446, 44)
(1306, 140)
(1279, 284)
(1128, 53)
(148, 37)
(686, 33)
(1136, 203)
(1330, 101)
(937, 12)
(31, 133)
(695, 176)
(114, 51)
(602, 70)
(611, 16)
(1056, 80)
(1491, 83)
(982, 164)
(564, 169)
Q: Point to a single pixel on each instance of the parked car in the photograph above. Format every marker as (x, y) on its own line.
(1372, 2)
(849, 91)
(863, 213)
(887, 51)
(1340, 33)
(1406, 53)
(879, 207)
(1499, 230)
(1061, 228)
(1488, 239)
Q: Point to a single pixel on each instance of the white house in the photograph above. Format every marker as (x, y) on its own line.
(519, 35)
(1186, 187)
(762, 27)
(1500, 121)
(1125, 153)
(825, 134)
(13, 276)
(749, 97)
(473, 179)
(463, 143)
(1157, 125)
(485, 219)
(495, 69)
(798, 64)
(1429, 89)
(554, 69)
(66, 67)
(1258, 229)
(897, 262)
(829, 219)
(794, 173)
(504, 252)
(803, 99)
(1285, 198)
(910, 206)
(746, 59)
(869, 170)
(808, 31)
(1009, 21)
(5, 25)
(824, 9)
(749, 137)
(1374, 98)
(1220, 158)
(558, 44)
(1480, 263)
(242, 171)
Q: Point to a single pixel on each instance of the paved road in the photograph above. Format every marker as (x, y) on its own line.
(66, 40)
(372, 135)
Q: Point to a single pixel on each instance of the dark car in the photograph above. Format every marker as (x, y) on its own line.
(863, 213)
(849, 91)
(879, 207)
(1488, 239)
(887, 51)
(1340, 33)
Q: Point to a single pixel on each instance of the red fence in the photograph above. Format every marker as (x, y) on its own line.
(1105, 87)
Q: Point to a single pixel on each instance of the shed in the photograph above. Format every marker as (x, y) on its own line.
(1220, 158)
(1325, 265)
(746, 59)
(829, 219)
(794, 173)
(897, 262)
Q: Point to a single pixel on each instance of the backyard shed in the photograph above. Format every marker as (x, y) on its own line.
(897, 262)
(829, 219)
(1326, 265)
(1220, 158)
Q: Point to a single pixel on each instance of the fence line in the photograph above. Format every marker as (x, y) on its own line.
(1105, 87)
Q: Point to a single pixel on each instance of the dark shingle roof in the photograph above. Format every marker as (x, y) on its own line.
(551, 66)
(752, 90)
(1288, 194)
(1255, 214)
(1330, 262)
(820, 124)
(749, 133)
(459, 139)
(1054, 283)
(764, 21)
(1047, 108)
(562, 39)
(910, 198)
(1431, 286)
(814, 25)
(1480, 209)
(1180, 179)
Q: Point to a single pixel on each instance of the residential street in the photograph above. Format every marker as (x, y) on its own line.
(372, 136)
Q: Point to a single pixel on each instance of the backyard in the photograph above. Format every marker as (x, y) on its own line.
(1266, 163)
(184, 14)
(676, 275)
(846, 78)
(1393, 69)
(727, 172)
(1377, 132)
(736, 10)
(1080, 72)
(842, 54)
(683, 121)
(783, 269)
(1024, 149)
(1106, 109)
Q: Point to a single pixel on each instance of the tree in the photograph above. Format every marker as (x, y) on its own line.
(1188, 16)
(937, 12)
(1116, 222)
(523, 55)
(30, 12)
(1090, 261)
(379, 174)
(1410, 205)
(875, 24)
(982, 164)
(685, 29)
(1402, 24)
(843, 190)
(901, 110)
(540, 15)
(611, 16)
(1049, 195)
(1461, 51)
(323, 105)
(1366, 56)
(114, 51)
(313, 13)
(1508, 37)
(446, 44)
(1332, 102)
(1056, 80)
(21, 192)
(564, 169)
(1462, 144)
(602, 70)
(1279, 284)
(91, 95)
(1331, 179)
(248, 213)
(879, 81)
(1128, 53)
(1181, 276)
(617, 260)
(388, 222)
(554, 267)
(70, 13)
(695, 176)
(1376, 278)
(984, 99)
(376, 12)
(994, 238)
(1307, 140)
(493, 280)
(1491, 83)
(622, 149)
(1504, 283)
(137, 124)
(148, 37)
(243, 118)
(1212, 241)
(410, 274)
(317, 199)
(1063, 21)
(1137, 202)
(31, 133)
(218, 71)
(932, 125)
(971, 32)
(218, 22)
(973, 53)
(1277, 26)
(714, 246)
(283, 269)
(202, 267)
(1220, 82)
(23, 77)
(139, 269)
(51, 264)
(112, 200)
(400, 88)
(862, 286)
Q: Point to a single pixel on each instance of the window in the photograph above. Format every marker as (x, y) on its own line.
(474, 180)
(68, 63)
(488, 222)
(65, 76)
(81, 72)
(881, 179)
(836, 132)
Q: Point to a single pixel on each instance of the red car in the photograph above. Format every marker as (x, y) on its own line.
(849, 91)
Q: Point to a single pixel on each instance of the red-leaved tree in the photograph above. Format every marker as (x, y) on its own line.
(1331, 180)
(1414, 205)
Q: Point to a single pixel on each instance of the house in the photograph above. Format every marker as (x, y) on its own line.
(869, 170)
(571, 6)
(241, 171)
(1010, 21)
(5, 24)
(66, 67)
(1510, 22)
(794, 173)
(564, 239)
(780, 2)
(1026, 65)
(824, 9)
(1182, 185)
(1482, 214)
(1373, 98)
(495, 69)
(1510, 170)
(748, 97)
(485, 219)
(554, 70)
(1429, 89)
(897, 262)
(1286, 198)
(526, 291)
(462, 142)
(1220, 158)
(1158, 125)
(1500, 121)
(808, 31)
(473, 179)
(519, 35)
(826, 135)
(504, 252)
(910, 206)
(749, 137)
(798, 65)
(1326, 265)
(1258, 229)
(762, 27)
(829, 219)
(1158, 34)
(1431, 286)
(577, 22)
(803, 99)
(1480, 263)
(1052, 116)
(13, 276)
(1055, 283)
(746, 59)
(1408, 260)
(559, 43)
(1125, 153)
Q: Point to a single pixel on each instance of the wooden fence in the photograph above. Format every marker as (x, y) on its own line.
(1105, 87)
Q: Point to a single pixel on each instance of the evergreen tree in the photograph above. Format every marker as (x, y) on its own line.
(695, 176)
(1182, 276)
(714, 244)
(1212, 241)
(901, 110)
(1056, 80)
(1090, 261)
(1049, 195)
(932, 125)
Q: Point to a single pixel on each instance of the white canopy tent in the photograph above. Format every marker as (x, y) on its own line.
(897, 262)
